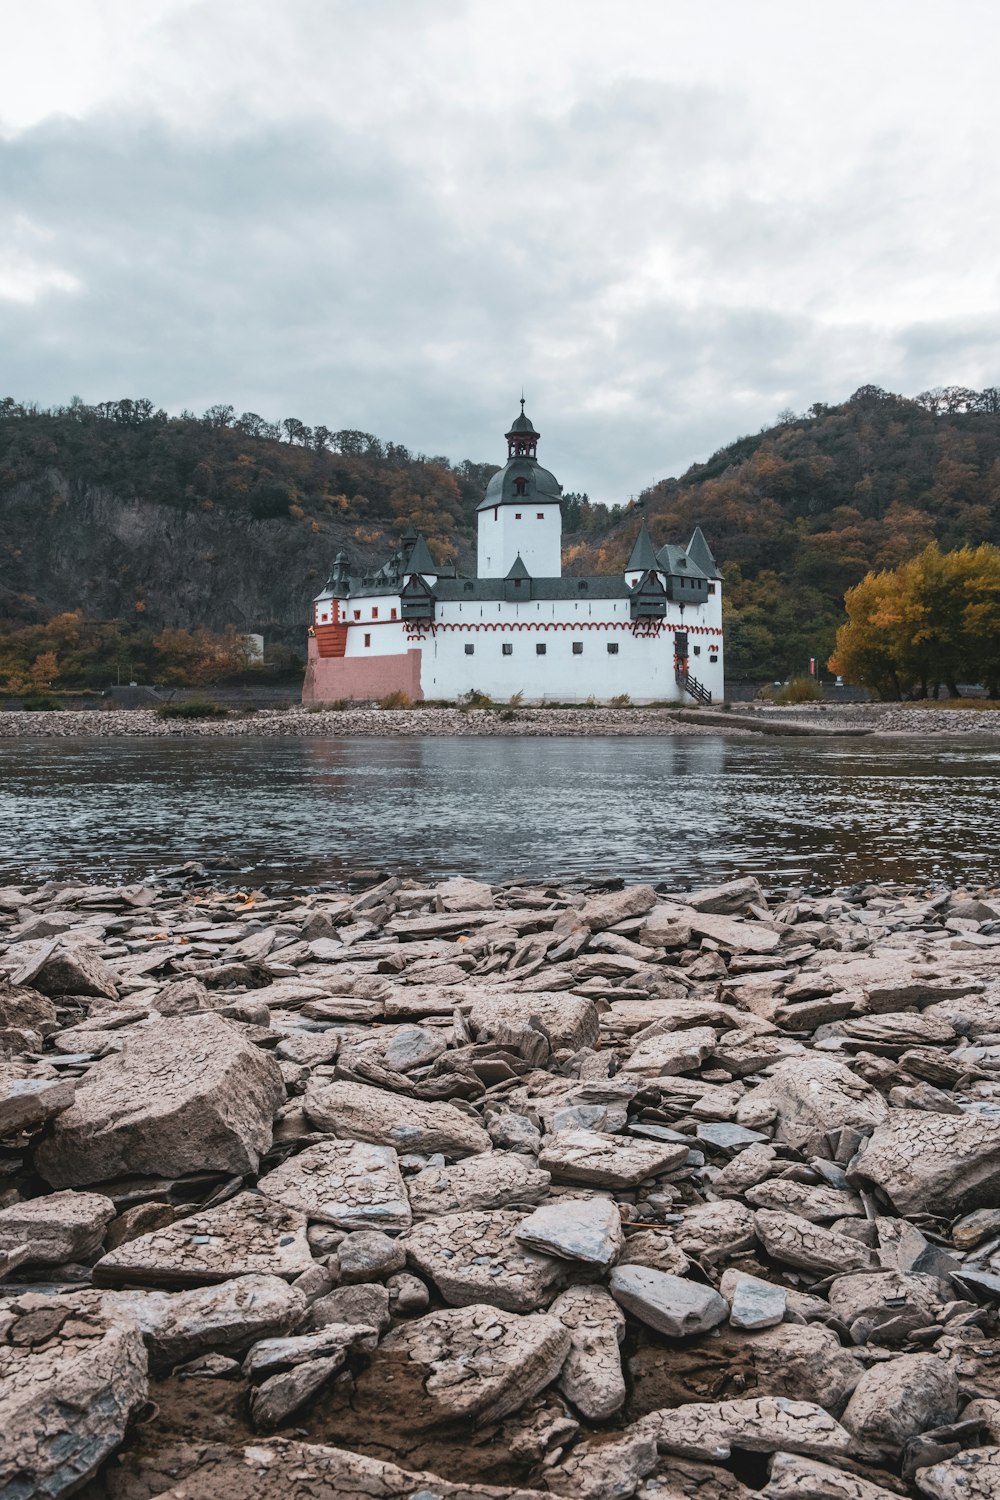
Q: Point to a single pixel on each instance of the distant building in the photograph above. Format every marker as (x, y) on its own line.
(653, 632)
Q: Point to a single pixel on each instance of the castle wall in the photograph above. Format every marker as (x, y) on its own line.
(361, 675)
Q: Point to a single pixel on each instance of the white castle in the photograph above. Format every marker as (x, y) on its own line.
(653, 632)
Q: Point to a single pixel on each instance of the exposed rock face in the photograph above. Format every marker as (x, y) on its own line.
(814, 1095)
(355, 1112)
(247, 1236)
(592, 1376)
(472, 1257)
(926, 1162)
(604, 1160)
(351, 1184)
(66, 1401)
(59, 1227)
(894, 1402)
(491, 1180)
(182, 1096)
(750, 1141)
(468, 1364)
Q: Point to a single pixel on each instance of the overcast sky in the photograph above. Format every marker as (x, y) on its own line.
(669, 219)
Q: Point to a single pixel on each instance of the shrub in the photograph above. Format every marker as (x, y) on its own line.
(621, 700)
(193, 708)
(40, 703)
(590, 702)
(799, 690)
(398, 699)
(475, 699)
(517, 700)
(506, 714)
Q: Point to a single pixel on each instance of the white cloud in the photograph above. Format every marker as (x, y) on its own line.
(669, 221)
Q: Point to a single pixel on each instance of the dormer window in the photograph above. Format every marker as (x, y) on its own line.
(583, 585)
(520, 486)
(468, 588)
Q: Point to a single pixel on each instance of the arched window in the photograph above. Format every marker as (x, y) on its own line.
(583, 585)
(520, 486)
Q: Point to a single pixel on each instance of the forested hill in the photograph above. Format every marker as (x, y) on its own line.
(800, 512)
(125, 514)
(120, 511)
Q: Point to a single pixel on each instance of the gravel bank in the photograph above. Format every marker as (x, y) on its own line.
(515, 1191)
(352, 721)
(877, 718)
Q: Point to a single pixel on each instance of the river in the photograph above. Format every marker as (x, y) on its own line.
(683, 810)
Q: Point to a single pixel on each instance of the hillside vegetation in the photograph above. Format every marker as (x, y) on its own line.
(141, 525)
(801, 512)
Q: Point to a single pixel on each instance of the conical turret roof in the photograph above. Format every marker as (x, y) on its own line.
(643, 555)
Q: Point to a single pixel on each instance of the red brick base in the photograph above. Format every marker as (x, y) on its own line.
(360, 677)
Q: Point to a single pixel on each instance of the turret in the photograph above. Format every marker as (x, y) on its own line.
(521, 513)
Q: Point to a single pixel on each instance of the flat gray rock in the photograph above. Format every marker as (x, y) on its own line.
(756, 1304)
(767, 1424)
(584, 1229)
(670, 1304)
(189, 1094)
(607, 1160)
(275, 1401)
(268, 1356)
(896, 1401)
(352, 1184)
(476, 1257)
(493, 1179)
(972, 1475)
(357, 1112)
(246, 1236)
(26, 1101)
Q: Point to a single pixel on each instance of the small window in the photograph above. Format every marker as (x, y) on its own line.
(357, 614)
(518, 582)
(612, 648)
(507, 649)
(540, 515)
(540, 648)
(517, 515)
(711, 588)
(713, 658)
(697, 650)
(467, 587)
(577, 648)
(520, 486)
(368, 640)
(374, 614)
(392, 614)
(583, 585)
(470, 650)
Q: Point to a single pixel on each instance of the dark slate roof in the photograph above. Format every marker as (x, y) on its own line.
(485, 590)
(700, 554)
(643, 554)
(675, 560)
(517, 568)
(420, 560)
(542, 486)
(522, 423)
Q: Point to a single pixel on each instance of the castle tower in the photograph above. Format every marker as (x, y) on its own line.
(520, 516)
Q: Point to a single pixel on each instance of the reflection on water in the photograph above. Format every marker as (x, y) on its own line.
(692, 809)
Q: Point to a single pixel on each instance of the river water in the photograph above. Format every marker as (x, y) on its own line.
(682, 810)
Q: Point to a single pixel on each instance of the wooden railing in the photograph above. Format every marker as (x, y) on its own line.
(693, 687)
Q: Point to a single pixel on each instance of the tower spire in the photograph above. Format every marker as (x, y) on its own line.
(522, 439)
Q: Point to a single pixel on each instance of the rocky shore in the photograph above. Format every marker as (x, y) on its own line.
(740, 719)
(455, 1191)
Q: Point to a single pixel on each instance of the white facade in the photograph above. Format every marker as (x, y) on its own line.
(531, 532)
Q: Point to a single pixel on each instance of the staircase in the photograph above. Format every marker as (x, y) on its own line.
(693, 687)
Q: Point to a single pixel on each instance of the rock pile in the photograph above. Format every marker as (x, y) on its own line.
(460, 1191)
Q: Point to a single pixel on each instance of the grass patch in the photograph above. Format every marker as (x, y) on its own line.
(193, 708)
(799, 690)
(398, 699)
(41, 703)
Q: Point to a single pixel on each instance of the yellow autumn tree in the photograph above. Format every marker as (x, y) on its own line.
(933, 621)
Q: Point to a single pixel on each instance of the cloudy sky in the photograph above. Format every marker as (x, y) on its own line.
(669, 219)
